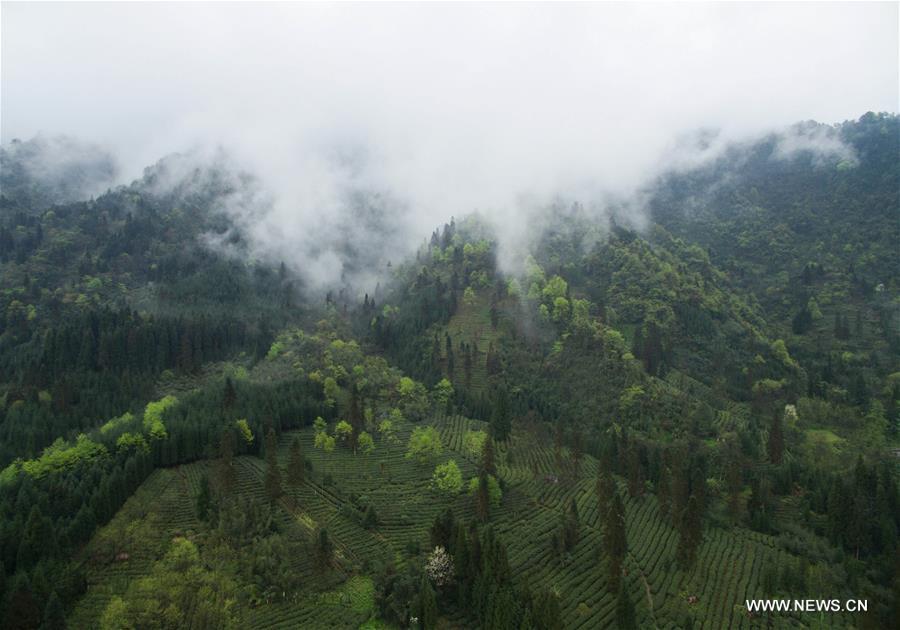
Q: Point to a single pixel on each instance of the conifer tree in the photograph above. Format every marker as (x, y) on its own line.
(323, 549)
(273, 473)
(203, 499)
(625, 616)
(776, 439)
(500, 417)
(664, 490)
(482, 498)
(54, 614)
(428, 604)
(487, 457)
(614, 538)
(227, 476)
(690, 534)
(296, 464)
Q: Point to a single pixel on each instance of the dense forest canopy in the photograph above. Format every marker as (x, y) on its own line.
(193, 435)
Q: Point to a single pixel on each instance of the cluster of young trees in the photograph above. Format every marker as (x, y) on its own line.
(469, 570)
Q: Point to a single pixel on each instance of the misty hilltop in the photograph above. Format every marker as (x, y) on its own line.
(449, 316)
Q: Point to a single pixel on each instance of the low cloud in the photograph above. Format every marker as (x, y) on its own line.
(366, 126)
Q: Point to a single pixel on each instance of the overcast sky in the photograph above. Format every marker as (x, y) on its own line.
(449, 107)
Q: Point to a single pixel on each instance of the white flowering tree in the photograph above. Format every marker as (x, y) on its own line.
(439, 567)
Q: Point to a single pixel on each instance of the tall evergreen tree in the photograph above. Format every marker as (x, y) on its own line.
(776, 439)
(487, 457)
(296, 464)
(615, 542)
(625, 615)
(428, 611)
(273, 473)
(500, 416)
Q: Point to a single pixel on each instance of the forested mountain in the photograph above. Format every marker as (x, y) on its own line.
(624, 428)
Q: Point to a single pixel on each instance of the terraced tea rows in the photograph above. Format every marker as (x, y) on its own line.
(728, 568)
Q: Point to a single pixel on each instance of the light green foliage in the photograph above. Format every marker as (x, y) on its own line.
(406, 387)
(447, 477)
(534, 275)
(556, 287)
(324, 442)
(129, 441)
(631, 398)
(442, 392)
(116, 423)
(414, 399)
(781, 353)
(814, 309)
(115, 615)
(343, 431)
(767, 387)
(614, 339)
(180, 592)
(473, 442)
(469, 297)
(544, 313)
(244, 430)
(275, 350)
(319, 424)
(581, 314)
(495, 494)
(424, 442)
(386, 428)
(153, 423)
(514, 288)
(332, 390)
(560, 309)
(478, 278)
(875, 426)
(366, 443)
(59, 456)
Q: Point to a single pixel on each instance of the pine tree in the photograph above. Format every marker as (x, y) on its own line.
(500, 420)
(690, 534)
(482, 498)
(273, 473)
(355, 416)
(664, 490)
(227, 475)
(428, 605)
(625, 616)
(614, 538)
(370, 519)
(54, 614)
(576, 453)
(296, 464)
(203, 499)
(635, 470)
(229, 396)
(776, 439)
(323, 549)
(487, 457)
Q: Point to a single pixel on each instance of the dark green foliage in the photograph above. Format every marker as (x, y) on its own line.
(296, 471)
(324, 549)
(272, 482)
(204, 499)
(428, 610)
(370, 518)
(487, 457)
(615, 543)
(54, 617)
(625, 616)
(500, 417)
